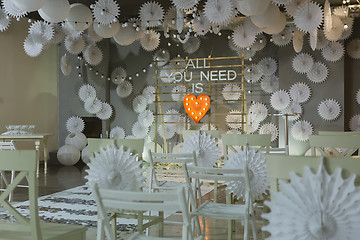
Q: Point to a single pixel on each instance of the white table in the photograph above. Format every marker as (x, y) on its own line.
(37, 138)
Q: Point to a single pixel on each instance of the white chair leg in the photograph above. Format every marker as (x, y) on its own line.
(253, 226)
(246, 227)
(11, 180)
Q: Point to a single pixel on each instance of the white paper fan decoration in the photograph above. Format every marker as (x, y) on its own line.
(118, 75)
(333, 52)
(251, 125)
(139, 103)
(116, 169)
(322, 41)
(149, 94)
(151, 14)
(205, 147)
(259, 43)
(243, 35)
(318, 73)
(106, 111)
(12, 10)
(146, 118)
(353, 48)
(75, 124)
(269, 84)
(258, 176)
(59, 34)
(301, 130)
(298, 40)
(105, 11)
(327, 15)
(280, 99)
(191, 45)
(258, 111)
(300, 92)
(205, 126)
(93, 55)
(31, 47)
(283, 38)
(348, 28)
(139, 130)
(178, 93)
(4, 20)
(308, 16)
(336, 30)
(150, 41)
(294, 108)
(219, 12)
(41, 32)
(302, 62)
(313, 39)
(124, 89)
(162, 55)
(315, 206)
(354, 123)
(74, 45)
(201, 25)
(170, 19)
(268, 66)
(293, 5)
(234, 119)
(253, 72)
(358, 96)
(86, 91)
(185, 4)
(172, 116)
(117, 133)
(169, 131)
(329, 109)
(92, 105)
(270, 128)
(341, 12)
(231, 92)
(248, 53)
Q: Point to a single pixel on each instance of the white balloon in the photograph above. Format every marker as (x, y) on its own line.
(265, 20)
(252, 7)
(277, 25)
(29, 5)
(107, 31)
(68, 155)
(77, 140)
(80, 17)
(55, 11)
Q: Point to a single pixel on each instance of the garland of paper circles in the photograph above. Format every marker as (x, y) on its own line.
(74, 45)
(269, 84)
(105, 11)
(149, 94)
(138, 130)
(280, 99)
(336, 30)
(219, 12)
(354, 123)
(12, 10)
(117, 133)
(86, 91)
(139, 103)
(118, 75)
(191, 45)
(293, 108)
(308, 16)
(302, 62)
(161, 55)
(201, 25)
(318, 73)
(150, 41)
(300, 92)
(333, 52)
(106, 111)
(146, 118)
(178, 93)
(93, 55)
(41, 31)
(253, 72)
(258, 111)
(92, 105)
(231, 92)
(124, 89)
(353, 48)
(283, 38)
(301, 130)
(268, 66)
(270, 128)
(329, 109)
(151, 14)
(234, 119)
(31, 47)
(75, 124)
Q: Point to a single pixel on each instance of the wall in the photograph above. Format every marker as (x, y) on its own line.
(29, 86)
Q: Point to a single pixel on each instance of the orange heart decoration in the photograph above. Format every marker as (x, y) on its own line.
(196, 108)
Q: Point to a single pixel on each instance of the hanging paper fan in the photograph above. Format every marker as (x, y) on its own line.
(4, 20)
(74, 45)
(118, 75)
(169, 131)
(117, 133)
(243, 36)
(270, 128)
(255, 162)
(259, 43)
(150, 41)
(41, 32)
(12, 10)
(358, 96)
(31, 47)
(124, 89)
(59, 34)
(313, 39)
(149, 94)
(105, 11)
(322, 41)
(354, 123)
(353, 48)
(86, 91)
(205, 126)
(151, 14)
(231, 92)
(136, 24)
(138, 130)
(170, 19)
(116, 169)
(298, 40)
(93, 55)
(201, 25)
(185, 4)
(184, 123)
(268, 66)
(300, 92)
(68, 31)
(333, 52)
(75, 124)
(308, 16)
(162, 56)
(234, 119)
(247, 53)
(341, 12)
(106, 111)
(93, 105)
(280, 99)
(335, 32)
(269, 84)
(294, 108)
(251, 125)
(232, 45)
(348, 27)
(329, 109)
(283, 38)
(292, 6)
(178, 93)
(318, 73)
(139, 103)
(302, 62)
(258, 111)
(327, 16)
(126, 35)
(172, 116)
(65, 65)
(219, 12)
(301, 130)
(253, 72)
(205, 147)
(146, 118)
(191, 45)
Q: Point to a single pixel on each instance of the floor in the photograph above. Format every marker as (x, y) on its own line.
(60, 178)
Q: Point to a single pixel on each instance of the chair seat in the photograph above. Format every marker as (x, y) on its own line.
(53, 231)
(168, 185)
(137, 236)
(221, 210)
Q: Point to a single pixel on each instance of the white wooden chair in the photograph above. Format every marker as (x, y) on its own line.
(329, 145)
(213, 133)
(24, 161)
(243, 212)
(141, 201)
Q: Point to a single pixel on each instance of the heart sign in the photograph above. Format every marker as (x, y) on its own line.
(196, 108)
